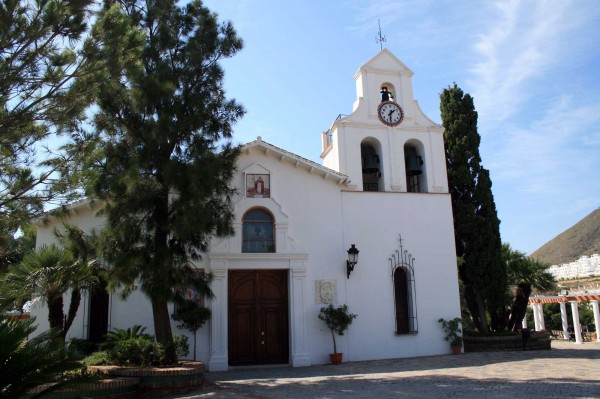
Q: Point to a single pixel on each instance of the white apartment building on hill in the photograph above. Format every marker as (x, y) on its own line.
(586, 266)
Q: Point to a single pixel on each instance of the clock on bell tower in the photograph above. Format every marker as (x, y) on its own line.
(371, 144)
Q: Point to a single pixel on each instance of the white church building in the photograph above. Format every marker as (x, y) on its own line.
(382, 189)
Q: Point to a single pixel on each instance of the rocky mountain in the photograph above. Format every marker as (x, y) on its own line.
(581, 239)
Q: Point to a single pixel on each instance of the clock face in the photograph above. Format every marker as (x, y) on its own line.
(390, 113)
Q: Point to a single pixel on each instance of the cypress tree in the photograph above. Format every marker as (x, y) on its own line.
(476, 224)
(164, 159)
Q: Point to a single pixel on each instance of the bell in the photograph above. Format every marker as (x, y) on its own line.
(370, 160)
(413, 161)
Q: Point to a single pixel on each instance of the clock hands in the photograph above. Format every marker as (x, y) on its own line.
(390, 114)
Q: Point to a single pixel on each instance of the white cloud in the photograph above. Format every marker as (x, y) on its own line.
(547, 154)
(525, 42)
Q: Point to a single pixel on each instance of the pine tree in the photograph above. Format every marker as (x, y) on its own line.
(44, 50)
(476, 224)
(36, 71)
(164, 158)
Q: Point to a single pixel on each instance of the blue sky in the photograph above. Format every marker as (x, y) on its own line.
(533, 68)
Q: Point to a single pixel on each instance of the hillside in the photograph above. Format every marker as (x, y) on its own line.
(581, 239)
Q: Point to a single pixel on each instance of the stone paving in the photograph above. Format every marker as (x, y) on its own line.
(568, 370)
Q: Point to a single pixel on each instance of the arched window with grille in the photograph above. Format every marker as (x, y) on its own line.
(258, 232)
(402, 264)
(401, 297)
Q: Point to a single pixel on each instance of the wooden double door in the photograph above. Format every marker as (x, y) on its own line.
(258, 317)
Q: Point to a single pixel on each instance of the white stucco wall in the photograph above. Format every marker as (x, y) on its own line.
(323, 220)
(424, 220)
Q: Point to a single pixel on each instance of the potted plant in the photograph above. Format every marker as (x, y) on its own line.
(337, 320)
(453, 331)
(192, 317)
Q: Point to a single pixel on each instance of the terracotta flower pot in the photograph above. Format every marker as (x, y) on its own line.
(336, 358)
(456, 350)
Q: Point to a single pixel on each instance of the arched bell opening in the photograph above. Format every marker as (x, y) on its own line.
(387, 91)
(414, 163)
(371, 164)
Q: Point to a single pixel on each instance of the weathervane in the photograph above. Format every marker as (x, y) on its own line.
(380, 38)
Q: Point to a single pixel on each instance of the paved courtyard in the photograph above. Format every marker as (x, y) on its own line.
(567, 371)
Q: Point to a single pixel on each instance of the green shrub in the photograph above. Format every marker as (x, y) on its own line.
(120, 334)
(26, 363)
(182, 348)
(453, 330)
(97, 359)
(140, 351)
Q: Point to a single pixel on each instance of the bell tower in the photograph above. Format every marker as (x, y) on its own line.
(387, 143)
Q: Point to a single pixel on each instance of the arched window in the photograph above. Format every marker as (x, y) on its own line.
(258, 232)
(401, 296)
(403, 277)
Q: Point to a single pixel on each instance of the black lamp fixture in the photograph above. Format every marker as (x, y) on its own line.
(352, 259)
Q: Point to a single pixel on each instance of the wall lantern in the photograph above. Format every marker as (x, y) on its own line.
(352, 259)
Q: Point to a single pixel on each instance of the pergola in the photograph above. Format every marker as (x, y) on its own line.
(536, 303)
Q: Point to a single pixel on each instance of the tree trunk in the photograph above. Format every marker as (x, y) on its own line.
(73, 307)
(195, 345)
(334, 346)
(519, 306)
(160, 281)
(162, 328)
(477, 310)
(499, 318)
(482, 315)
(55, 312)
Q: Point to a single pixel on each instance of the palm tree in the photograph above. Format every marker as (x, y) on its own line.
(46, 275)
(27, 363)
(525, 274)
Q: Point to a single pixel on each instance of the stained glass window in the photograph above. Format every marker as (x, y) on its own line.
(258, 232)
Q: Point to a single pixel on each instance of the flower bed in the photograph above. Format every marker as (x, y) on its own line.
(109, 388)
(186, 375)
(537, 341)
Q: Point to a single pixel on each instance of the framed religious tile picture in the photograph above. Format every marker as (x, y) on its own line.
(258, 186)
(190, 293)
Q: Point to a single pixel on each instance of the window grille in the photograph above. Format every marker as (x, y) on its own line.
(403, 278)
